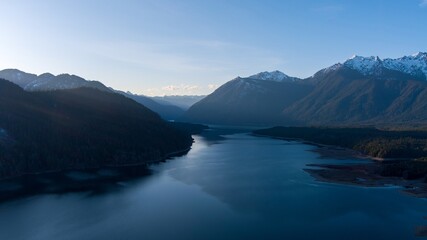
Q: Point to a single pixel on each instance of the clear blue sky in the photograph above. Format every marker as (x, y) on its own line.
(158, 47)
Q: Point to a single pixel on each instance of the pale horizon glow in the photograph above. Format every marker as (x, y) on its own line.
(189, 47)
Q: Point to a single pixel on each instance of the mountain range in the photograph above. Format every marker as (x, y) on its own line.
(182, 101)
(360, 91)
(50, 82)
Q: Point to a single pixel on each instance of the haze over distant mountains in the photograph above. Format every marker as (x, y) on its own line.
(362, 90)
(359, 91)
(49, 82)
(184, 102)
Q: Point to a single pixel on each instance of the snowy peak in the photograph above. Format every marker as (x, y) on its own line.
(275, 76)
(415, 65)
(420, 55)
(357, 58)
(365, 65)
(327, 70)
(331, 68)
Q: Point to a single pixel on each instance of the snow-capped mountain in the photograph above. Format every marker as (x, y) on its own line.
(414, 65)
(365, 65)
(248, 101)
(275, 76)
(362, 90)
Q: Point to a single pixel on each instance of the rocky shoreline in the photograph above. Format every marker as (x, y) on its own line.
(366, 175)
(407, 174)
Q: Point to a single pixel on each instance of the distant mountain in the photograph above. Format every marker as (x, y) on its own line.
(166, 110)
(362, 90)
(414, 65)
(79, 128)
(276, 76)
(344, 96)
(366, 90)
(49, 82)
(184, 102)
(255, 100)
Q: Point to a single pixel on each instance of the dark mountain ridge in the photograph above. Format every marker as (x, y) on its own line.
(345, 96)
(79, 128)
(247, 101)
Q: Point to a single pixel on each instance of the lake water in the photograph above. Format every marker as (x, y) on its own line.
(232, 187)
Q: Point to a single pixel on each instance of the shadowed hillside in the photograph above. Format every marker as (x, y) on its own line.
(79, 128)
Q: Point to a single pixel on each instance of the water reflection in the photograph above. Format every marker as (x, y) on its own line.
(93, 182)
(229, 186)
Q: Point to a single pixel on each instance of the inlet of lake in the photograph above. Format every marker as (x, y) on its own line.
(230, 185)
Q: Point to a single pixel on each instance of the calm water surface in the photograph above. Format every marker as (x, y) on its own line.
(235, 187)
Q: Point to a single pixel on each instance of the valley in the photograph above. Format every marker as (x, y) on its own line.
(213, 120)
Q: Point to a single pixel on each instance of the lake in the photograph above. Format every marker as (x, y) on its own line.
(234, 186)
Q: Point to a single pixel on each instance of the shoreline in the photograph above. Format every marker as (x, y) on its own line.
(93, 180)
(145, 163)
(326, 174)
(359, 154)
(359, 175)
(365, 175)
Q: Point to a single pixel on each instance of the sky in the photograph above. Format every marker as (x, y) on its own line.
(190, 47)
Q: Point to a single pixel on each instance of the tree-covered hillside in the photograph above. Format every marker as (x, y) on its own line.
(79, 128)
